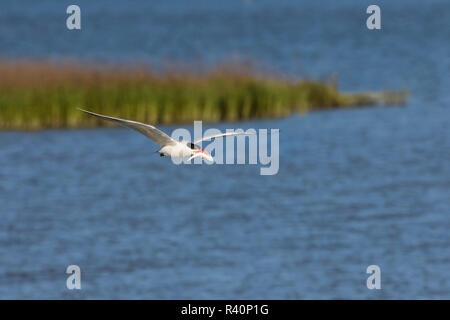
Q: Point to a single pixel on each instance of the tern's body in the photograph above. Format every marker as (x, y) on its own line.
(169, 147)
(178, 150)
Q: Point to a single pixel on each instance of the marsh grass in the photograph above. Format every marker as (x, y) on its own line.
(42, 94)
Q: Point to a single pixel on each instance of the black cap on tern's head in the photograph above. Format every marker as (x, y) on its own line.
(193, 146)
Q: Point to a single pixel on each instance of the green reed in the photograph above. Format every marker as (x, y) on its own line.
(39, 94)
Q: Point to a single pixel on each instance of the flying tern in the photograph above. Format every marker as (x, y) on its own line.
(169, 147)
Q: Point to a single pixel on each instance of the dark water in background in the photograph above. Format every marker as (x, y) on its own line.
(355, 187)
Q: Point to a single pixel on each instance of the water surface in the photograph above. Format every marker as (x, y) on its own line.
(355, 187)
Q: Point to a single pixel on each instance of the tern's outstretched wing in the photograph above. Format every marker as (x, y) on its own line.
(222, 135)
(147, 130)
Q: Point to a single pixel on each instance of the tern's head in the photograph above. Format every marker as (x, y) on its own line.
(205, 155)
(201, 153)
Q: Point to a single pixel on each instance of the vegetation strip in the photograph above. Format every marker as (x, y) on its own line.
(42, 94)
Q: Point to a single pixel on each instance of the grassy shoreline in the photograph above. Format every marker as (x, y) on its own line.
(42, 94)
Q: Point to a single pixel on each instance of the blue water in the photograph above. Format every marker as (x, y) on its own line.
(355, 187)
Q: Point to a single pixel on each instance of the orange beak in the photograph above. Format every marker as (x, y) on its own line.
(205, 155)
